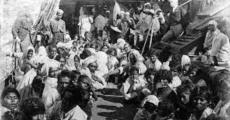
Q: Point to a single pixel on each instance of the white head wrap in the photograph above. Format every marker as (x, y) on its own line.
(29, 48)
(147, 4)
(127, 13)
(212, 22)
(60, 45)
(152, 99)
(185, 60)
(89, 60)
(138, 56)
(121, 43)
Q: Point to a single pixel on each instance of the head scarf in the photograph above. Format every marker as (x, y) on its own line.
(60, 45)
(89, 60)
(185, 60)
(138, 56)
(152, 99)
(213, 22)
(121, 42)
(147, 4)
(28, 49)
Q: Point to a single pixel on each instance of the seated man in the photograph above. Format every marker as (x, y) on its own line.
(210, 35)
(220, 50)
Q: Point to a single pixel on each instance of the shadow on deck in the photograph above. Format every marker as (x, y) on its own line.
(111, 107)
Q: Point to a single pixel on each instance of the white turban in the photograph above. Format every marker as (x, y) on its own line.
(138, 55)
(152, 99)
(185, 60)
(120, 40)
(212, 22)
(89, 60)
(60, 45)
(127, 13)
(147, 4)
(26, 52)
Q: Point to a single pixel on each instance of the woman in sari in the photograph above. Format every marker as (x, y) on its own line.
(28, 60)
(29, 67)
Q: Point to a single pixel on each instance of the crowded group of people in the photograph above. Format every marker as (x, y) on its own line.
(60, 79)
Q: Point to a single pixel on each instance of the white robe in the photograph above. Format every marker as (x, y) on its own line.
(97, 85)
(76, 114)
(102, 60)
(85, 24)
(50, 93)
(221, 48)
(27, 80)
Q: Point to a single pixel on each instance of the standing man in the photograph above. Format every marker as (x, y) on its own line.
(85, 22)
(21, 30)
(175, 24)
(58, 28)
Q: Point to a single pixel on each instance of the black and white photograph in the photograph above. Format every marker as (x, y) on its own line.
(114, 59)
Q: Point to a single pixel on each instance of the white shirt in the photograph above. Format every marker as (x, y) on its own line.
(85, 23)
(221, 48)
(76, 114)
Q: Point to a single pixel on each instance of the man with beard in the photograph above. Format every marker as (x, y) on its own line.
(70, 105)
(64, 82)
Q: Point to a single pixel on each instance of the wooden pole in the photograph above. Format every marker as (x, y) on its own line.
(143, 49)
(151, 37)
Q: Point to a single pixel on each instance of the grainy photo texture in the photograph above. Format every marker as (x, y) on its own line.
(114, 60)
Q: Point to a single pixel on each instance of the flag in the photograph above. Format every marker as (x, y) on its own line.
(47, 12)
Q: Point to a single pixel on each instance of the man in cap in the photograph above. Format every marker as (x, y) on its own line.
(58, 28)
